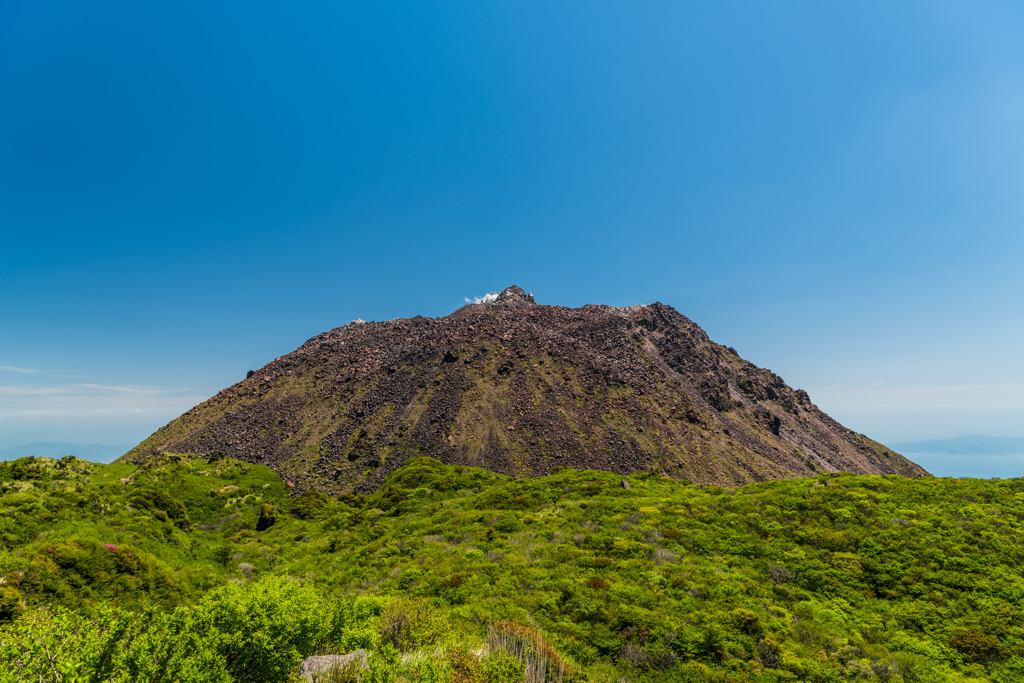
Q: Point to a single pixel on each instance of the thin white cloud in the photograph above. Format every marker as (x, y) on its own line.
(87, 389)
(135, 390)
(11, 368)
(30, 391)
(1000, 396)
(80, 401)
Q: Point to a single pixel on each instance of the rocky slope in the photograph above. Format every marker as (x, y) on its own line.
(521, 389)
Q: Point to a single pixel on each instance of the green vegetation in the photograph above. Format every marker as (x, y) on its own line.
(208, 570)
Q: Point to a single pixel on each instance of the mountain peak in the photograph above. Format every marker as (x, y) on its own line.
(522, 388)
(515, 294)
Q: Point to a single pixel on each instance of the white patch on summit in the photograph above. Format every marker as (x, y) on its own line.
(485, 299)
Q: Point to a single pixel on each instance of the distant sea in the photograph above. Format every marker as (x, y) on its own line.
(983, 457)
(92, 452)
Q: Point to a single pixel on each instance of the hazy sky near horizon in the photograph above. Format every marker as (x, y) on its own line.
(189, 190)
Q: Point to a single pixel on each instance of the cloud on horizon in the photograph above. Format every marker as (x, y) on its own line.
(90, 401)
(996, 396)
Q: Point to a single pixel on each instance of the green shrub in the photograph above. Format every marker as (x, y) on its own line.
(409, 623)
(502, 667)
(746, 621)
(262, 629)
(268, 517)
(356, 621)
(383, 666)
(465, 667)
(162, 506)
(113, 645)
(976, 646)
(82, 573)
(310, 505)
(537, 658)
(509, 525)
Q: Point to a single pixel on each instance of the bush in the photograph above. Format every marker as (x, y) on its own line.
(383, 666)
(633, 654)
(509, 525)
(746, 621)
(83, 572)
(465, 667)
(976, 646)
(538, 658)
(310, 505)
(662, 659)
(162, 506)
(780, 574)
(222, 554)
(356, 621)
(55, 644)
(410, 623)
(501, 667)
(768, 652)
(268, 517)
(262, 629)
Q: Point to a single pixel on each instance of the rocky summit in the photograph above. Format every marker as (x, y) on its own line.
(521, 388)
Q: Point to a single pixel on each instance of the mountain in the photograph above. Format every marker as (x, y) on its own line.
(968, 445)
(521, 389)
(91, 452)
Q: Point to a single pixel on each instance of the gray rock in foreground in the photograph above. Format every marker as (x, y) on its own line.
(324, 663)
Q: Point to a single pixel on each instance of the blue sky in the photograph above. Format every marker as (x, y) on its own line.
(188, 190)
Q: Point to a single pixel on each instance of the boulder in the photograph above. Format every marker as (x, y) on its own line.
(323, 663)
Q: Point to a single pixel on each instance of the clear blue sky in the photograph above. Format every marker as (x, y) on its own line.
(188, 190)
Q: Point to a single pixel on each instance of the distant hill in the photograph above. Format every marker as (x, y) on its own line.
(520, 389)
(966, 445)
(92, 452)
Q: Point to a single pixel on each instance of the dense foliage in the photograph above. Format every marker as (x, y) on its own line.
(178, 570)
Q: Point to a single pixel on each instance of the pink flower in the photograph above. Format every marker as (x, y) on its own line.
(112, 548)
